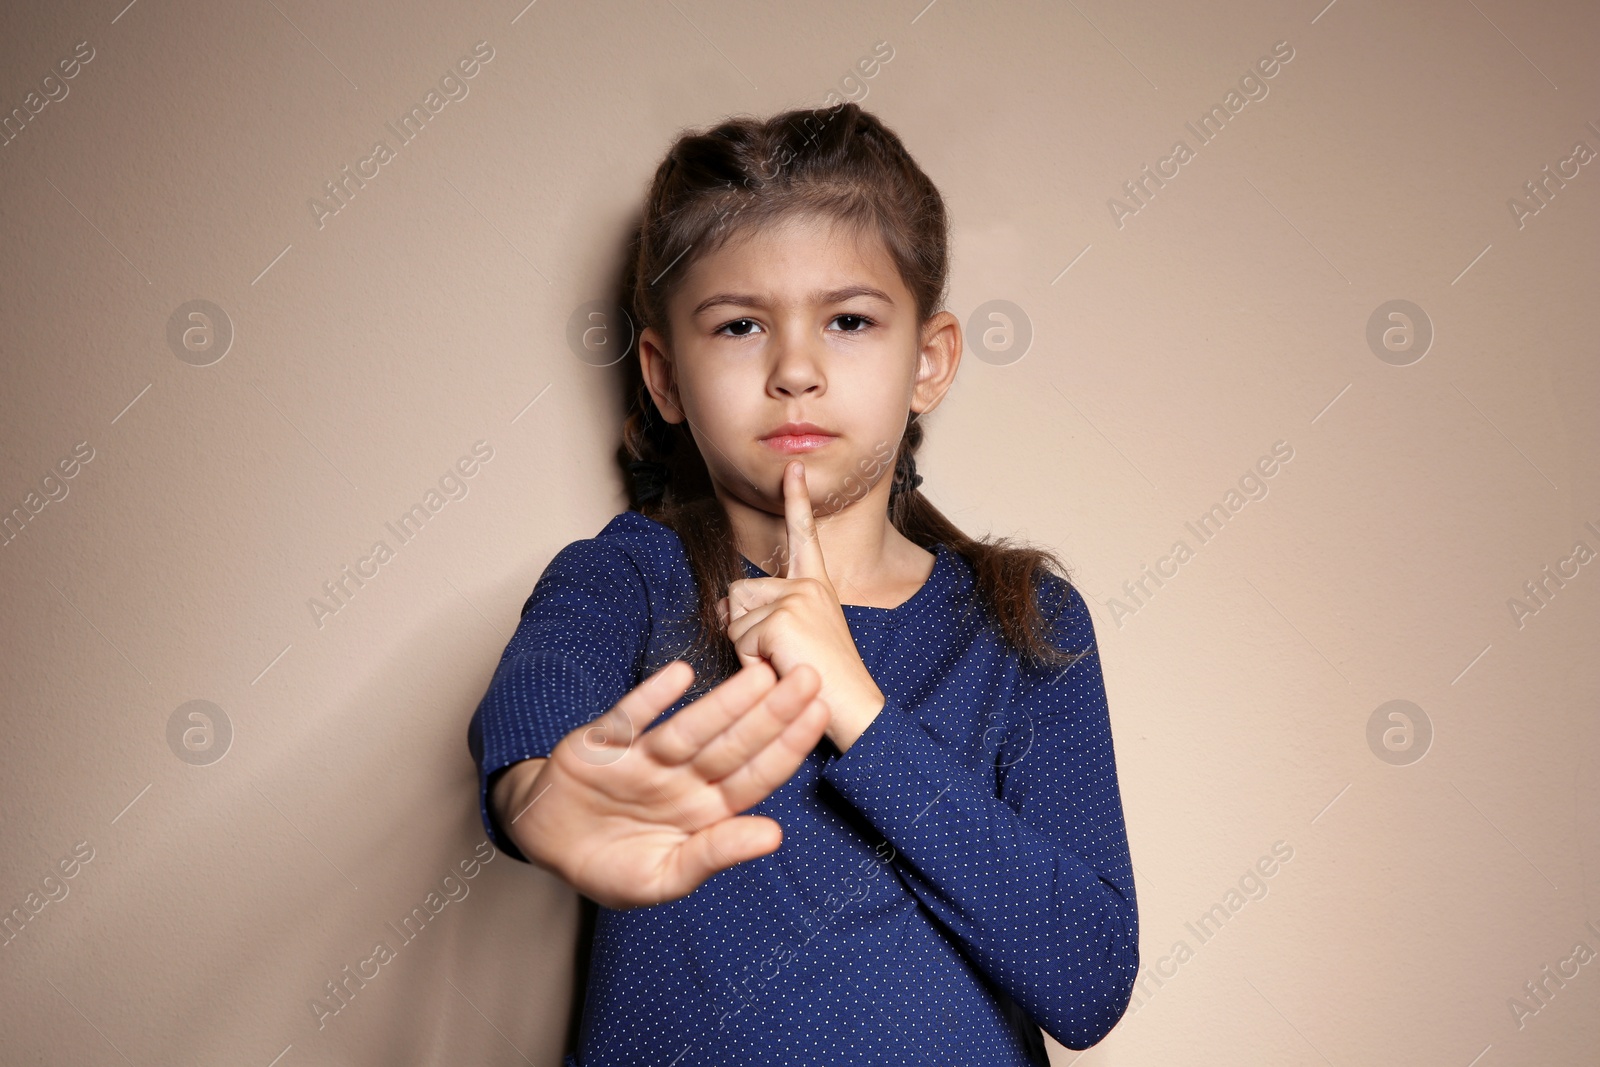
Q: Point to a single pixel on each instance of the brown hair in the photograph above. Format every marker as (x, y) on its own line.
(840, 162)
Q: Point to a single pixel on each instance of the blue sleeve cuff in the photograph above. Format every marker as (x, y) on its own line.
(535, 699)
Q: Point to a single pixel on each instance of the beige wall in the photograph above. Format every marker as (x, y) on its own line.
(1228, 313)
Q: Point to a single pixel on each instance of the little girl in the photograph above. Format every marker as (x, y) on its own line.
(884, 824)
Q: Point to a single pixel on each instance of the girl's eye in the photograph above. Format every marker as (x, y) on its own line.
(736, 322)
(853, 323)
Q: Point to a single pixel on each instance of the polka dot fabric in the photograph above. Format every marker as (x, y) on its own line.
(955, 880)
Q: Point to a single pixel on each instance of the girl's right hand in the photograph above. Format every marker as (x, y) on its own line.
(631, 818)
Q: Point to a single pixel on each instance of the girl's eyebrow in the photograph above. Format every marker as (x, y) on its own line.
(829, 296)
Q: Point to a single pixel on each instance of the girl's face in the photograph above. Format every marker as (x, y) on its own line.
(799, 322)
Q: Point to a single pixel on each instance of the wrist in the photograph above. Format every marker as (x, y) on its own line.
(852, 717)
(510, 801)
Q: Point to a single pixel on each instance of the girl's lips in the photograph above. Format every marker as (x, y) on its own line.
(797, 442)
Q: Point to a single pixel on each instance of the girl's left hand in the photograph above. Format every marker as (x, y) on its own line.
(797, 619)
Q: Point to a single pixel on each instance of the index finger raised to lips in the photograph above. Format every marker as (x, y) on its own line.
(800, 526)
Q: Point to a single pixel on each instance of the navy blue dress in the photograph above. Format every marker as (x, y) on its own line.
(962, 869)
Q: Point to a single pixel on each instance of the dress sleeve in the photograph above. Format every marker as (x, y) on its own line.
(1031, 876)
(575, 654)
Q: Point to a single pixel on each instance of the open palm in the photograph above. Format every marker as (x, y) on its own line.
(631, 817)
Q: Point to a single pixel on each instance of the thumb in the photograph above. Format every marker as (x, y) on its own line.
(725, 843)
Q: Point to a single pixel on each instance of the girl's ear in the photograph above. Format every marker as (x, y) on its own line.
(937, 361)
(656, 368)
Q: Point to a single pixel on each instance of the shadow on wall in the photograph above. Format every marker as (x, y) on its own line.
(485, 961)
(324, 893)
(486, 954)
(375, 923)
(467, 960)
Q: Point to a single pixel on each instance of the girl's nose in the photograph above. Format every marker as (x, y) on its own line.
(797, 366)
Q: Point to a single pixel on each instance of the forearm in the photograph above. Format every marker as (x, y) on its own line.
(1059, 935)
(1031, 908)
